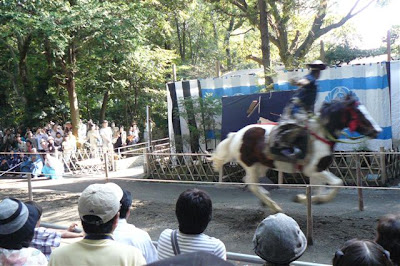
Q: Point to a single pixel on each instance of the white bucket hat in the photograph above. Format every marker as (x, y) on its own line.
(101, 200)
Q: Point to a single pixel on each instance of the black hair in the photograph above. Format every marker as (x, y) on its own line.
(388, 235)
(91, 228)
(126, 203)
(28, 141)
(361, 253)
(194, 211)
(37, 206)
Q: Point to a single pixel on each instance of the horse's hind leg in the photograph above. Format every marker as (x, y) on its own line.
(252, 178)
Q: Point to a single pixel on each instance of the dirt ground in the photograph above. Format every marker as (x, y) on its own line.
(236, 212)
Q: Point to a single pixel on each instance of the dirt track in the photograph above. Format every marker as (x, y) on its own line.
(236, 211)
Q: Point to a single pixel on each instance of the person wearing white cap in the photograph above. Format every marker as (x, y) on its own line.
(17, 225)
(278, 240)
(98, 208)
(290, 133)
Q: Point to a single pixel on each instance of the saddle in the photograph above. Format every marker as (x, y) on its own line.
(286, 135)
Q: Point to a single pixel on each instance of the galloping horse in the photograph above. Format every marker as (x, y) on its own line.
(249, 147)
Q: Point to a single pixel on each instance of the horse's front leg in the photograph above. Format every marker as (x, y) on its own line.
(322, 195)
(253, 174)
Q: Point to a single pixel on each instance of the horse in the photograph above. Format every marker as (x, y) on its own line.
(249, 148)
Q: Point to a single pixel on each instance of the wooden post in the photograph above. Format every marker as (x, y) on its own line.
(217, 68)
(173, 72)
(280, 178)
(383, 165)
(106, 165)
(309, 217)
(359, 184)
(30, 193)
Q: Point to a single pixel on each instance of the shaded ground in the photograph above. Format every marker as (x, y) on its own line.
(236, 211)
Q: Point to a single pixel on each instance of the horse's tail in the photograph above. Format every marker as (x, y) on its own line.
(222, 154)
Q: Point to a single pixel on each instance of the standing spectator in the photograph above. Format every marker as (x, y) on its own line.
(21, 144)
(133, 134)
(29, 146)
(94, 139)
(72, 140)
(58, 139)
(194, 212)
(122, 135)
(29, 136)
(82, 131)
(40, 135)
(44, 239)
(18, 222)
(98, 208)
(278, 240)
(131, 235)
(106, 135)
(361, 253)
(388, 235)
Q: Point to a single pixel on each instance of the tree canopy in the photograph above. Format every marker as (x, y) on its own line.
(107, 59)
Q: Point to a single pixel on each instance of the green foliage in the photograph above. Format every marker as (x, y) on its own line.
(337, 55)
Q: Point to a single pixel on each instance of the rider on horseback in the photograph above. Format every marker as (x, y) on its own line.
(290, 138)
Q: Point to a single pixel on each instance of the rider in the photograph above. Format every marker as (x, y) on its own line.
(298, 111)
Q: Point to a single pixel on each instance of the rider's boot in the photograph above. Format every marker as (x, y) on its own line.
(292, 153)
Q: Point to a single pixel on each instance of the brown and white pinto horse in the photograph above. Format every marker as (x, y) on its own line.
(248, 147)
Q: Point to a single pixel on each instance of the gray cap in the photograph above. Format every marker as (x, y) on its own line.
(278, 239)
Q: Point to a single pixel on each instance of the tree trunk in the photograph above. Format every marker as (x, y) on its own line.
(70, 85)
(262, 6)
(23, 47)
(73, 103)
(104, 106)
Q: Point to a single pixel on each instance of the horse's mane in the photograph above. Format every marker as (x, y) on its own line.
(331, 113)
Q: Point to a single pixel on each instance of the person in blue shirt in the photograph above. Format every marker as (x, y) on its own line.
(298, 110)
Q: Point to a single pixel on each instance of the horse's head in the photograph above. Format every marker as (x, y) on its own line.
(348, 112)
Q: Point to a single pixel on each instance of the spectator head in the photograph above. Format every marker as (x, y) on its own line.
(194, 211)
(58, 135)
(388, 235)
(17, 223)
(98, 208)
(278, 240)
(361, 253)
(38, 208)
(104, 123)
(126, 203)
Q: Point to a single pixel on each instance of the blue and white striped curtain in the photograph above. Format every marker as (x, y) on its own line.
(368, 82)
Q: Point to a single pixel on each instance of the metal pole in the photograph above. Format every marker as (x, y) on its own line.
(359, 183)
(221, 175)
(30, 193)
(383, 165)
(309, 217)
(106, 165)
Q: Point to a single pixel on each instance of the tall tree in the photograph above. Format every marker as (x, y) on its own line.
(293, 42)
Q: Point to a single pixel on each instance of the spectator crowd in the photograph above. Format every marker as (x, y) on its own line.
(41, 150)
(108, 238)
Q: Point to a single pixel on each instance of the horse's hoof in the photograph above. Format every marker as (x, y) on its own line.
(300, 198)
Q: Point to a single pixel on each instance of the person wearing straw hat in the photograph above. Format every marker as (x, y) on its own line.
(98, 208)
(17, 225)
(279, 240)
